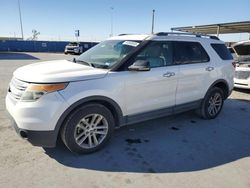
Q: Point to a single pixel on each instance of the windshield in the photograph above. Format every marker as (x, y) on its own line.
(243, 52)
(73, 44)
(107, 53)
(243, 49)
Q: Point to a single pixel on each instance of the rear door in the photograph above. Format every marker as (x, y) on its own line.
(197, 72)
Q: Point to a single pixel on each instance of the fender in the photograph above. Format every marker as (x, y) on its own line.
(120, 119)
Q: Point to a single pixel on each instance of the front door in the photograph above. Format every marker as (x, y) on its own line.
(155, 89)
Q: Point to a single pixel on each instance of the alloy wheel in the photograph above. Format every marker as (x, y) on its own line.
(91, 131)
(215, 104)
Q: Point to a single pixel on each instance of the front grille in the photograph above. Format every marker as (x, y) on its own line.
(17, 88)
(242, 75)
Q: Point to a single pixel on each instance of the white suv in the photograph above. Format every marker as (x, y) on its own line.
(73, 47)
(123, 80)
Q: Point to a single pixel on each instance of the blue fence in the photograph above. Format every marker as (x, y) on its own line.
(38, 46)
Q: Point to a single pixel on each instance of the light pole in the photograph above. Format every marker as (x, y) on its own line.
(20, 17)
(111, 21)
(153, 21)
(77, 34)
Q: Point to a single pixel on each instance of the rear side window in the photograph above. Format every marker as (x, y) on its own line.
(222, 51)
(189, 53)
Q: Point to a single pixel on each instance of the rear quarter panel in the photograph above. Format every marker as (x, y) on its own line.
(224, 68)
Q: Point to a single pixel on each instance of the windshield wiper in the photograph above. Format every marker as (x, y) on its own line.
(101, 66)
(82, 62)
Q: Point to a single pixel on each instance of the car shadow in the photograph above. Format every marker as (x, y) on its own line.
(180, 143)
(16, 56)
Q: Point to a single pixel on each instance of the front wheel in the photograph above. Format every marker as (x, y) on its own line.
(212, 104)
(88, 128)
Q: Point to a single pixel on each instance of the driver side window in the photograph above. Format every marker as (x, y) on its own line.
(157, 53)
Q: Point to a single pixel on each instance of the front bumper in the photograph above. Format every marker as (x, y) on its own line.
(45, 139)
(242, 83)
(36, 121)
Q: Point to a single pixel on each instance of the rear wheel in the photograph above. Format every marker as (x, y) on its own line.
(212, 104)
(88, 128)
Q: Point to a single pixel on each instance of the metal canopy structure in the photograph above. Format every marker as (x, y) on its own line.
(221, 28)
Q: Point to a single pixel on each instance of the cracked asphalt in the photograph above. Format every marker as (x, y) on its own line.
(175, 151)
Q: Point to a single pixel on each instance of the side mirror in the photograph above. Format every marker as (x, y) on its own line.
(140, 65)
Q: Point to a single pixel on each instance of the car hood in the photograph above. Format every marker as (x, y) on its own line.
(57, 71)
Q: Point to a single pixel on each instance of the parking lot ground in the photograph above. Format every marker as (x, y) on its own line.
(176, 151)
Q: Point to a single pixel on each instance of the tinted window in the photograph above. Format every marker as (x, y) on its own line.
(189, 52)
(157, 53)
(222, 51)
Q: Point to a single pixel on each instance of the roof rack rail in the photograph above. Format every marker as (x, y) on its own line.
(123, 34)
(214, 37)
(186, 33)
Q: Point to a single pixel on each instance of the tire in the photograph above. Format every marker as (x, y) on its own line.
(88, 128)
(65, 53)
(212, 103)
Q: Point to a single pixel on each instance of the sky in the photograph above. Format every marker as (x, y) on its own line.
(58, 19)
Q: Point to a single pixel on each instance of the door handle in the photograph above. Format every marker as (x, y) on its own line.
(209, 69)
(168, 74)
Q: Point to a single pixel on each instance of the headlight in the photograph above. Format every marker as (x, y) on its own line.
(35, 91)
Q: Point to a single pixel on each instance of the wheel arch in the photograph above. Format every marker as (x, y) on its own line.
(222, 84)
(107, 102)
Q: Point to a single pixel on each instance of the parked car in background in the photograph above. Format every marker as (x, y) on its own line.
(74, 48)
(242, 70)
